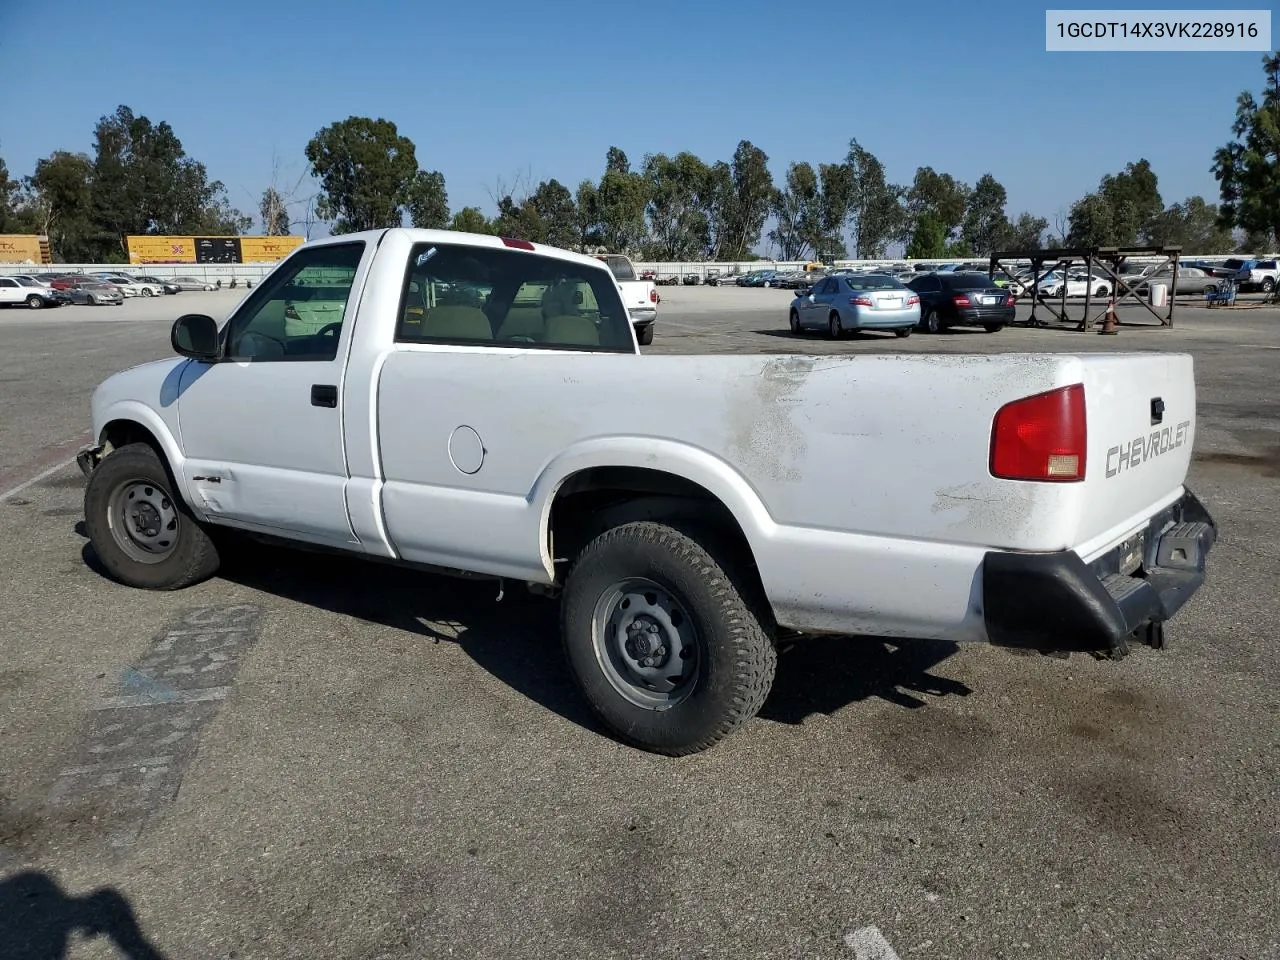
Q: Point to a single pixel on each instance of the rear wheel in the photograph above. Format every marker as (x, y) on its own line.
(662, 639)
(993, 327)
(834, 327)
(143, 534)
(645, 336)
(902, 332)
(1102, 291)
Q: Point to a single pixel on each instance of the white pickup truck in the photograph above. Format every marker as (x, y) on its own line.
(639, 296)
(476, 405)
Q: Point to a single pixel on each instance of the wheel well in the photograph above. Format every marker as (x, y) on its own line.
(118, 433)
(599, 498)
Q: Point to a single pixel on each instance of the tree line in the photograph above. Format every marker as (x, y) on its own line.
(680, 207)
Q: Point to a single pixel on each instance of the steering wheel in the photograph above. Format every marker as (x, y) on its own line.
(258, 334)
(521, 338)
(324, 331)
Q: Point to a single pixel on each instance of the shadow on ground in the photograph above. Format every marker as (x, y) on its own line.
(517, 638)
(38, 920)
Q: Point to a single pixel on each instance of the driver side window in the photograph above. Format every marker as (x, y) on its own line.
(297, 314)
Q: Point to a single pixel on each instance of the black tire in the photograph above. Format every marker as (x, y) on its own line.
(148, 292)
(734, 658)
(645, 335)
(35, 302)
(191, 557)
(902, 332)
(993, 327)
(795, 323)
(932, 322)
(834, 329)
(1268, 285)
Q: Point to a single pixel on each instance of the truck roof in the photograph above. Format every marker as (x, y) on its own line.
(420, 235)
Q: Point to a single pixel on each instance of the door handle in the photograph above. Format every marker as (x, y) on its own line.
(324, 395)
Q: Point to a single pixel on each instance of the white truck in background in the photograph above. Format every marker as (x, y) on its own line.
(639, 296)
(478, 405)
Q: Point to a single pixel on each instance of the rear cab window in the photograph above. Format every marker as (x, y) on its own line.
(487, 296)
(620, 267)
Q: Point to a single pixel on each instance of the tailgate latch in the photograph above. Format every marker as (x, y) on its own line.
(1157, 410)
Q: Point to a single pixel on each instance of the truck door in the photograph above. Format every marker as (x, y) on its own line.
(262, 428)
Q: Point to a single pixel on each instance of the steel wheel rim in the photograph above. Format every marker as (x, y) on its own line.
(143, 520)
(646, 644)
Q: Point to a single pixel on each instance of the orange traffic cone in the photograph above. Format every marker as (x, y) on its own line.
(1110, 322)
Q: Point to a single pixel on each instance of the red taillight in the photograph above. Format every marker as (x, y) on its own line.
(912, 301)
(653, 296)
(1041, 437)
(861, 301)
(518, 244)
(960, 300)
(1011, 301)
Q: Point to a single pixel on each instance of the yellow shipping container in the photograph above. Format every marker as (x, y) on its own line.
(146, 249)
(24, 248)
(268, 249)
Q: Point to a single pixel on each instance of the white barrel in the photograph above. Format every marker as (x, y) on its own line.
(1159, 294)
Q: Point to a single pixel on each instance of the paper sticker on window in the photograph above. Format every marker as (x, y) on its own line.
(424, 257)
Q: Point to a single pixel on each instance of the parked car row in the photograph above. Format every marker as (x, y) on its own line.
(38, 290)
(849, 301)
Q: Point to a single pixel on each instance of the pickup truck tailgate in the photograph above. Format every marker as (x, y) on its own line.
(1141, 416)
(635, 294)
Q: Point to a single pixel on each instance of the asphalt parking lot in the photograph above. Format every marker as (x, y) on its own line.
(397, 766)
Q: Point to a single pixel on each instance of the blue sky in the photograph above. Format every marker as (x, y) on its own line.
(489, 89)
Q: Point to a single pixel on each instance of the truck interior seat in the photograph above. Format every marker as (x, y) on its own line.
(457, 323)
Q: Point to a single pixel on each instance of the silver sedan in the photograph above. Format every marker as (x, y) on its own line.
(850, 302)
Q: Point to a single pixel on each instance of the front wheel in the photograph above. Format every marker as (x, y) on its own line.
(143, 534)
(932, 323)
(662, 640)
(34, 302)
(795, 323)
(1268, 285)
(148, 292)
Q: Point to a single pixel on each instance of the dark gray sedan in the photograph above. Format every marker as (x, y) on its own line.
(95, 293)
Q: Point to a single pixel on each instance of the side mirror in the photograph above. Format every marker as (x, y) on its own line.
(806, 291)
(195, 335)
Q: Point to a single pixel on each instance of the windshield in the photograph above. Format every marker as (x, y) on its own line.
(971, 281)
(873, 282)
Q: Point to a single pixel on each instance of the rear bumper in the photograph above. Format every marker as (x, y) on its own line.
(883, 319)
(980, 315)
(1055, 602)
